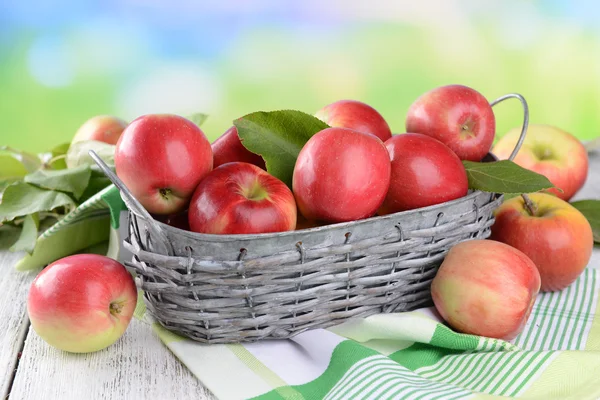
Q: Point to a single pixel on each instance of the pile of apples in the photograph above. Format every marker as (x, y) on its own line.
(353, 170)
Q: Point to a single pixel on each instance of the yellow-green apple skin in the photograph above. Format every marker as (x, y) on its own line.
(558, 238)
(486, 288)
(552, 152)
(82, 303)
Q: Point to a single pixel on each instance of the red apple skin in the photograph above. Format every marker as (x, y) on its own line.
(486, 288)
(241, 198)
(552, 152)
(424, 172)
(178, 220)
(82, 303)
(456, 115)
(104, 128)
(357, 116)
(161, 158)
(229, 148)
(558, 238)
(341, 175)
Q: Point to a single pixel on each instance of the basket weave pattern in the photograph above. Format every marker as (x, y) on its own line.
(238, 288)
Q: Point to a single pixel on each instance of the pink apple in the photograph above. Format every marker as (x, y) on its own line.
(103, 128)
(341, 175)
(240, 198)
(554, 234)
(161, 158)
(424, 172)
(456, 115)
(552, 152)
(82, 303)
(228, 148)
(486, 288)
(357, 116)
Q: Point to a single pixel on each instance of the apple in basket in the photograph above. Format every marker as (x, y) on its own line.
(456, 115)
(553, 233)
(238, 198)
(341, 175)
(552, 152)
(82, 303)
(228, 148)
(103, 128)
(486, 288)
(161, 158)
(424, 172)
(357, 116)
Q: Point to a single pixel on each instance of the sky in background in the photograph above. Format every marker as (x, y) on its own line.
(62, 62)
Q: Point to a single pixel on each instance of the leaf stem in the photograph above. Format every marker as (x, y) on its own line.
(529, 205)
(54, 159)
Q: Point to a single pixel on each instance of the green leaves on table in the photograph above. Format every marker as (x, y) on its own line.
(504, 177)
(591, 210)
(278, 136)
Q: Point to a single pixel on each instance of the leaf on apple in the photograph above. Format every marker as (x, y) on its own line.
(278, 136)
(591, 210)
(71, 180)
(29, 233)
(21, 199)
(198, 118)
(504, 177)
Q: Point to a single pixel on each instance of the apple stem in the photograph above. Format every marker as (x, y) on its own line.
(115, 308)
(529, 205)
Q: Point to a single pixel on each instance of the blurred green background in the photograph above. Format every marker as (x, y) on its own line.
(63, 62)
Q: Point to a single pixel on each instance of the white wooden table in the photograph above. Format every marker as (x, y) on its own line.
(138, 366)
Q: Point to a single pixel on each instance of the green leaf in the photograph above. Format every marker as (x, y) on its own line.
(198, 118)
(78, 153)
(29, 234)
(10, 167)
(504, 177)
(31, 162)
(71, 180)
(278, 136)
(59, 153)
(96, 184)
(22, 199)
(591, 210)
(9, 234)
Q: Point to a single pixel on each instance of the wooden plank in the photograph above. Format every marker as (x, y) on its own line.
(137, 366)
(13, 316)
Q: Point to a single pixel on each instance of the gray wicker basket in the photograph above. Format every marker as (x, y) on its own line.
(239, 288)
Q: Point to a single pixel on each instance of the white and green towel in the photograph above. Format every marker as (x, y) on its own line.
(409, 355)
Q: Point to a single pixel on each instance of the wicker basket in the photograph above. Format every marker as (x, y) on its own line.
(239, 288)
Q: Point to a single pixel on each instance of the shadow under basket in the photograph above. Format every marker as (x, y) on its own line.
(241, 288)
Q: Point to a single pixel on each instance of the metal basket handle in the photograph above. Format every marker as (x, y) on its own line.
(132, 203)
(525, 119)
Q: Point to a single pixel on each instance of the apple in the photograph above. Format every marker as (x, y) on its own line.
(355, 115)
(456, 115)
(424, 172)
(228, 148)
(238, 198)
(486, 288)
(161, 158)
(552, 152)
(341, 175)
(82, 303)
(553, 233)
(103, 128)
(178, 220)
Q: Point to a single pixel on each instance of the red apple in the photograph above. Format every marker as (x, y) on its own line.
(178, 220)
(456, 115)
(554, 234)
(228, 148)
(357, 116)
(486, 288)
(552, 152)
(240, 198)
(161, 158)
(341, 175)
(103, 128)
(424, 172)
(82, 303)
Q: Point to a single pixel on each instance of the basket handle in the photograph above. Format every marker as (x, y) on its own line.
(131, 202)
(525, 119)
